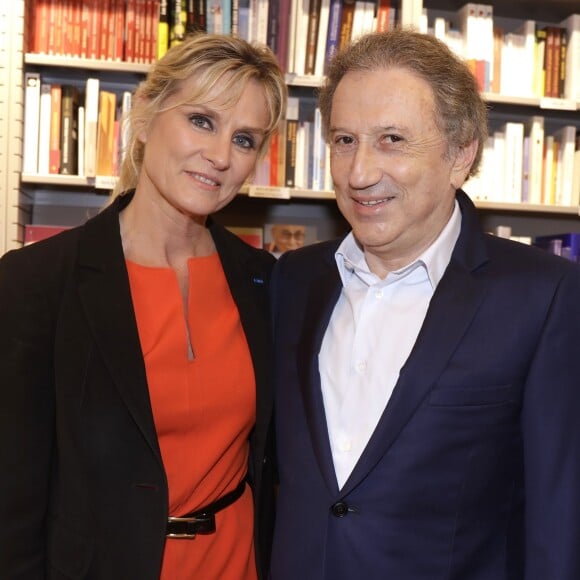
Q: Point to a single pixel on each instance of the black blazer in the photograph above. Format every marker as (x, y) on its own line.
(83, 493)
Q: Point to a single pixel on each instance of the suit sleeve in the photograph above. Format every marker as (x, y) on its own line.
(551, 439)
(26, 416)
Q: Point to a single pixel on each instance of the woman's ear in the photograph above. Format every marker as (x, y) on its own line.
(464, 157)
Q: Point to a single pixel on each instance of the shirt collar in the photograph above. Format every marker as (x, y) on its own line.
(350, 259)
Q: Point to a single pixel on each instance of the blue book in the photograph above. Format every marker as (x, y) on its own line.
(565, 245)
(333, 38)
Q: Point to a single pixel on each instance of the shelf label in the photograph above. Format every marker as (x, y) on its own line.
(269, 192)
(105, 182)
(560, 104)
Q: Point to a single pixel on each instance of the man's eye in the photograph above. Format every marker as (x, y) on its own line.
(245, 141)
(200, 121)
(392, 138)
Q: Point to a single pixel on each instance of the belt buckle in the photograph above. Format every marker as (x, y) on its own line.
(206, 526)
(192, 535)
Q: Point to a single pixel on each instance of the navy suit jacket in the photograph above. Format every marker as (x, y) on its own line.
(83, 492)
(473, 472)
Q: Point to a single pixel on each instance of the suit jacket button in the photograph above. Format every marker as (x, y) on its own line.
(339, 509)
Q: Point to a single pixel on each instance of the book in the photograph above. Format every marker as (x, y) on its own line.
(572, 75)
(31, 122)
(566, 245)
(534, 129)
(55, 127)
(69, 130)
(333, 37)
(322, 36)
(290, 144)
(312, 36)
(283, 236)
(106, 133)
(92, 88)
(346, 20)
(565, 137)
(44, 130)
(36, 232)
(254, 236)
(549, 174)
(81, 141)
(514, 142)
(163, 29)
(383, 15)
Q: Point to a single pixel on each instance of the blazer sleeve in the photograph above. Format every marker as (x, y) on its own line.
(551, 441)
(26, 414)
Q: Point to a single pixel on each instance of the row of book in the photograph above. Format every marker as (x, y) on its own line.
(524, 163)
(530, 60)
(70, 130)
(302, 33)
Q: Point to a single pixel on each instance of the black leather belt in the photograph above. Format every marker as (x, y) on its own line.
(202, 521)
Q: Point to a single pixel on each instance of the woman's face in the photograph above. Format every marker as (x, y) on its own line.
(198, 156)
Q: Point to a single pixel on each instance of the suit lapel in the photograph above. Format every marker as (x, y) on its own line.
(324, 293)
(450, 313)
(105, 294)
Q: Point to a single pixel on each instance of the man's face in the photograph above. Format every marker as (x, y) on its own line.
(395, 180)
(288, 237)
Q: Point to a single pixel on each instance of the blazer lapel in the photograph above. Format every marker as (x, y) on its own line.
(248, 281)
(450, 312)
(324, 293)
(105, 294)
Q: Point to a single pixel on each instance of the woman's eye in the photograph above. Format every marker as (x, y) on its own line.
(200, 121)
(245, 141)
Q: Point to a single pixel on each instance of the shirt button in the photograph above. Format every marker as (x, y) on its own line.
(379, 294)
(361, 366)
(345, 445)
(339, 509)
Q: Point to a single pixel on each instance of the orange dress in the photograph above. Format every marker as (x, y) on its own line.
(204, 409)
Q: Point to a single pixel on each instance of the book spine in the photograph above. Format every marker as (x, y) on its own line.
(31, 122)
(55, 119)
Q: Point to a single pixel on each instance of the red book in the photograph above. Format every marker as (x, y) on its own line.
(41, 11)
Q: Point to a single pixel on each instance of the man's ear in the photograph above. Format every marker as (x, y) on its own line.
(464, 157)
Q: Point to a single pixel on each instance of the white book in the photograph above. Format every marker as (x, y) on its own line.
(291, 60)
(81, 141)
(566, 139)
(91, 125)
(44, 129)
(514, 152)
(31, 122)
(358, 20)
(535, 131)
(324, 18)
(499, 167)
(301, 37)
(126, 102)
(548, 194)
(576, 177)
(572, 82)
(262, 22)
(527, 63)
(487, 41)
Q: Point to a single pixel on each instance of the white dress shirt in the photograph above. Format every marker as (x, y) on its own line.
(372, 330)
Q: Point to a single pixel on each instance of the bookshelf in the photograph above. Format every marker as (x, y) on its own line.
(78, 196)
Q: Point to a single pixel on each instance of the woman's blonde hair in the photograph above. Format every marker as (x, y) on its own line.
(209, 58)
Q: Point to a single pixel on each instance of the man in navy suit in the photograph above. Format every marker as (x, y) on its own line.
(428, 374)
